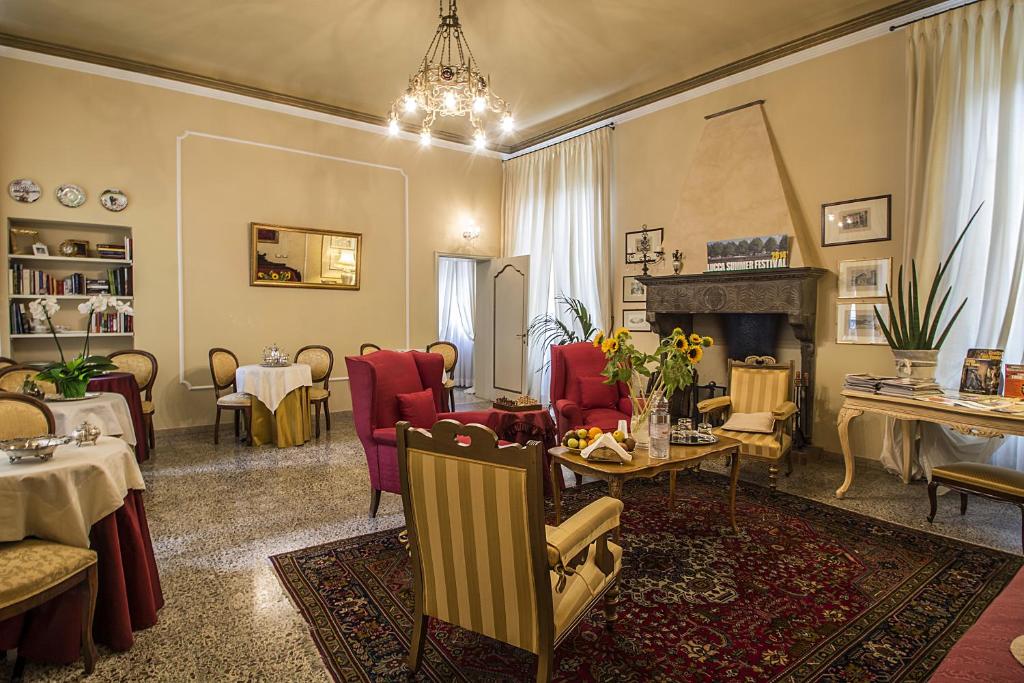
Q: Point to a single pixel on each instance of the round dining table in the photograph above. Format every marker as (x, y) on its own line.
(89, 497)
(280, 411)
(124, 383)
(108, 411)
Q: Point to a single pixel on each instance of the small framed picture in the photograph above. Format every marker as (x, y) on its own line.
(864, 278)
(635, 320)
(633, 291)
(856, 324)
(856, 221)
(40, 249)
(636, 246)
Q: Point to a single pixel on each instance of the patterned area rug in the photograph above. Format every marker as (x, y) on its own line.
(805, 591)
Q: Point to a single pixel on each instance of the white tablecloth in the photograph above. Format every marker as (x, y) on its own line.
(108, 411)
(271, 385)
(60, 499)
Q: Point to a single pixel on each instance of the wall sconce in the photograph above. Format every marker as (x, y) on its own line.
(471, 232)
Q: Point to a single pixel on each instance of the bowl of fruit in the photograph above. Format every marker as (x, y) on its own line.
(578, 439)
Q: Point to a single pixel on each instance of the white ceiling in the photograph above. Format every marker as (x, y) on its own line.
(555, 61)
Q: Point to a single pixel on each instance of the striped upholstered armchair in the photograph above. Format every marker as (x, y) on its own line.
(521, 582)
(764, 390)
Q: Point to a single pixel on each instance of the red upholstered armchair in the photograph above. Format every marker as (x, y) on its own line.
(578, 393)
(376, 380)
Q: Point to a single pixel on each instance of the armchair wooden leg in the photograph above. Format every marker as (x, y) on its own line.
(611, 605)
(933, 500)
(327, 414)
(374, 502)
(216, 428)
(773, 476)
(151, 432)
(545, 664)
(316, 410)
(90, 587)
(419, 636)
(579, 480)
(238, 433)
(963, 504)
(789, 463)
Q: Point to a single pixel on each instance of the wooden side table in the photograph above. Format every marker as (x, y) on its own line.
(644, 467)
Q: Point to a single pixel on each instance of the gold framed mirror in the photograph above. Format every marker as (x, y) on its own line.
(282, 256)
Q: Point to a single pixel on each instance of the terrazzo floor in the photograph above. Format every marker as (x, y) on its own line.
(217, 513)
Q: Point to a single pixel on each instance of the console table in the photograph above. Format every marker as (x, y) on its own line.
(908, 412)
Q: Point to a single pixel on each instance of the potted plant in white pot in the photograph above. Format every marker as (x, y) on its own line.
(913, 335)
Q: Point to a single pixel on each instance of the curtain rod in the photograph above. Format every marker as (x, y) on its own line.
(558, 141)
(934, 14)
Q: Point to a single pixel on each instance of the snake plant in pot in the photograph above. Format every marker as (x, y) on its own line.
(916, 336)
(71, 377)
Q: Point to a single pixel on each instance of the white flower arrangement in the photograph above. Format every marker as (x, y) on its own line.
(43, 309)
(101, 302)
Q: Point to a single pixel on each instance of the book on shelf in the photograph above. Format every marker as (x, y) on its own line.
(982, 371)
(27, 281)
(1013, 384)
(112, 251)
(113, 322)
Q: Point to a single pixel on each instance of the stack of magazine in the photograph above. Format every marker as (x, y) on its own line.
(892, 386)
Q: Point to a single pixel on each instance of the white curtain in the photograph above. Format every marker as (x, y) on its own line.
(556, 205)
(456, 290)
(966, 124)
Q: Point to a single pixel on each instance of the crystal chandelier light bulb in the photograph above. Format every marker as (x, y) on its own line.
(449, 100)
(479, 140)
(508, 124)
(393, 127)
(479, 103)
(425, 137)
(410, 104)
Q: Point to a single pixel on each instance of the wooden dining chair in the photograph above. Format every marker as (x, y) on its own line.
(12, 378)
(223, 364)
(143, 366)
(33, 572)
(367, 348)
(450, 353)
(22, 417)
(320, 360)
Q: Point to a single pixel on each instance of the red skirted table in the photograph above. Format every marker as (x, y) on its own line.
(76, 499)
(527, 425)
(124, 383)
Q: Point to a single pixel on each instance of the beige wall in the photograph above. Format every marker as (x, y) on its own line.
(839, 129)
(62, 126)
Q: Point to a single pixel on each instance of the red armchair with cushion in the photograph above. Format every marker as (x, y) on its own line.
(389, 386)
(578, 391)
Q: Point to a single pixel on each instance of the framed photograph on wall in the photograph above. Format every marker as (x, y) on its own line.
(856, 221)
(633, 291)
(635, 248)
(856, 324)
(864, 278)
(635, 320)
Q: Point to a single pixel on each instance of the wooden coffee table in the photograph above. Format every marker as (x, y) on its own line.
(643, 466)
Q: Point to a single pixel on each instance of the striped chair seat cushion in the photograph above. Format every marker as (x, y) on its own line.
(580, 589)
(758, 445)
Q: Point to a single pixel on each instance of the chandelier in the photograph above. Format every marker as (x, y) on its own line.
(448, 83)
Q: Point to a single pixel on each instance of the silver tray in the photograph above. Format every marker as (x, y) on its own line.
(57, 398)
(694, 440)
(276, 365)
(38, 447)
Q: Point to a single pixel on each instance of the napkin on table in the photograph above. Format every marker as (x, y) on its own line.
(607, 441)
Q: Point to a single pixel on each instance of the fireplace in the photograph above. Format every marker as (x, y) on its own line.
(755, 302)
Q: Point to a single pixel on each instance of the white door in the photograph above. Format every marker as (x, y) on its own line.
(501, 322)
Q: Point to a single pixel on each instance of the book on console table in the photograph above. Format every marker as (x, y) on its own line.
(865, 382)
(891, 386)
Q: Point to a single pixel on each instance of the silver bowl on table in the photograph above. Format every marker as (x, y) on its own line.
(38, 447)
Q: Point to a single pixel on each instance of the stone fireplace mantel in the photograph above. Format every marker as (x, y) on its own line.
(673, 300)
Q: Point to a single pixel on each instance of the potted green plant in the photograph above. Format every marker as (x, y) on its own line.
(72, 377)
(913, 335)
(650, 376)
(547, 330)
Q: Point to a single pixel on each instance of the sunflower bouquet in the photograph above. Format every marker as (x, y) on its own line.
(651, 375)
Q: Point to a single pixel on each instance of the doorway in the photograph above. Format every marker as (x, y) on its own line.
(456, 313)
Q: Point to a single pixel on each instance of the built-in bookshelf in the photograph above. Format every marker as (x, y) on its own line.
(101, 260)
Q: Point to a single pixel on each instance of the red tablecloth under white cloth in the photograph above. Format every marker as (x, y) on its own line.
(87, 497)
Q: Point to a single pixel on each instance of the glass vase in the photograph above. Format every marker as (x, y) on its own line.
(638, 429)
(72, 388)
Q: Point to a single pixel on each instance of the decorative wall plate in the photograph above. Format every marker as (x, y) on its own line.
(71, 196)
(114, 200)
(24, 190)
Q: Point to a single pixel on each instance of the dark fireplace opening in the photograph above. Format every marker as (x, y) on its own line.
(751, 334)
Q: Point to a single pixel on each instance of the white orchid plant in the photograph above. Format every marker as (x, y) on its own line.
(72, 377)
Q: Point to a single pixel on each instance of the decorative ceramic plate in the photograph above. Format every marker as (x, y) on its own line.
(24, 190)
(114, 200)
(57, 398)
(71, 196)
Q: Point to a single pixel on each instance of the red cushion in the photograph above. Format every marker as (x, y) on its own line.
(418, 408)
(594, 393)
(605, 418)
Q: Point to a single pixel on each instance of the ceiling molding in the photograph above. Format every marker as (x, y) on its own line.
(872, 19)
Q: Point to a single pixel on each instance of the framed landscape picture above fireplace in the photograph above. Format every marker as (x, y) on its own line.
(856, 221)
